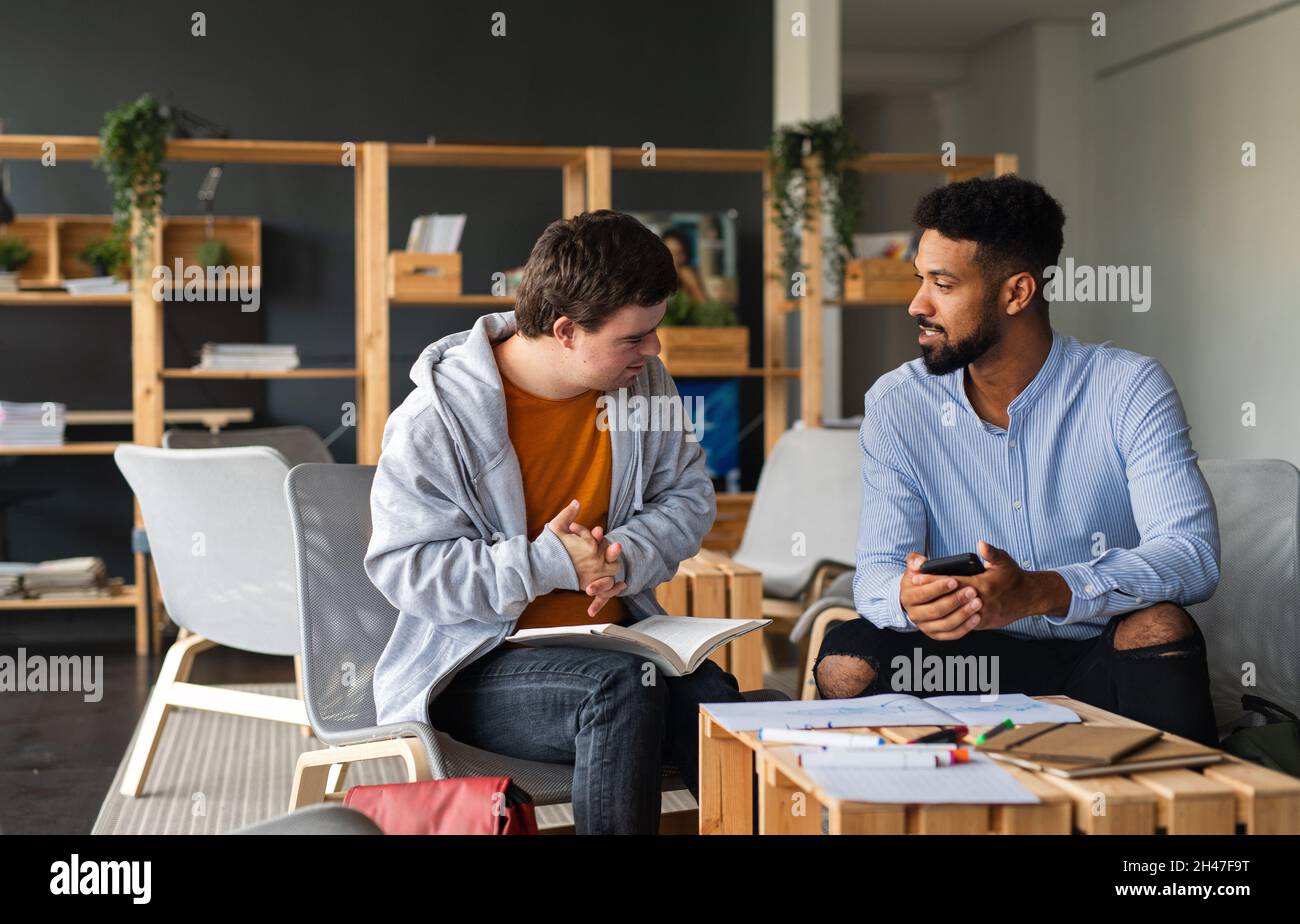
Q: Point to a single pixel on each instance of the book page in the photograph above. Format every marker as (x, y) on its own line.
(688, 636)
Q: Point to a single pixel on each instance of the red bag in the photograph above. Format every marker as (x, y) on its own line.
(463, 805)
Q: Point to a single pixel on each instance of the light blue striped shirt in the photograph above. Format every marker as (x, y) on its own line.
(1095, 478)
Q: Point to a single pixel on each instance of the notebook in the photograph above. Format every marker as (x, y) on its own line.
(1080, 751)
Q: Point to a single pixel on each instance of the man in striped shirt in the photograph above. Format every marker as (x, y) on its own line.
(1066, 466)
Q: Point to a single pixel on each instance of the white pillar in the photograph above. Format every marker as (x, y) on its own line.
(806, 85)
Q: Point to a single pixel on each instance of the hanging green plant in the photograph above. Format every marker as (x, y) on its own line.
(828, 142)
(132, 145)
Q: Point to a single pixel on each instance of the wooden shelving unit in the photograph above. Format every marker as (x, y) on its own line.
(586, 177)
(586, 180)
(171, 237)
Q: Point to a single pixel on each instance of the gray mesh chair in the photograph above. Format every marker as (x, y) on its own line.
(1252, 623)
(316, 819)
(345, 624)
(219, 536)
(296, 444)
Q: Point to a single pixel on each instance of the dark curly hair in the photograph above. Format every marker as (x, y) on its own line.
(589, 266)
(1016, 223)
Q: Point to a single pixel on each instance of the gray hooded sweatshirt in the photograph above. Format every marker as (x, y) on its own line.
(448, 547)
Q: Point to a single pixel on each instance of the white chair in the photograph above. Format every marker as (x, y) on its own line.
(218, 530)
(802, 528)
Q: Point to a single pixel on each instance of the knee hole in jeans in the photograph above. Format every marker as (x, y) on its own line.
(1161, 624)
(843, 676)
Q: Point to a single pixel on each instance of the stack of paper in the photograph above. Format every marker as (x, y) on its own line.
(248, 357)
(11, 578)
(31, 424)
(97, 285)
(980, 782)
(67, 577)
(436, 233)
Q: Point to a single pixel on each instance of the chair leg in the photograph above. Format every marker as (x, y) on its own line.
(315, 770)
(176, 668)
(821, 625)
(305, 731)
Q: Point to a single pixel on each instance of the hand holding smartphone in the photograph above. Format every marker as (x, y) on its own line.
(964, 565)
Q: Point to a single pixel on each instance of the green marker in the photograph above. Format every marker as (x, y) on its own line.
(995, 730)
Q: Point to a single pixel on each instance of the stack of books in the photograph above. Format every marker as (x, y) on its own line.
(11, 578)
(248, 357)
(436, 233)
(97, 285)
(69, 577)
(31, 424)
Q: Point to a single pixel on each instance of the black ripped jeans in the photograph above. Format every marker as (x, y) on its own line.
(1169, 691)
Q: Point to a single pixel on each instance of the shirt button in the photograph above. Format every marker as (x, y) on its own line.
(1016, 504)
(1011, 444)
(1027, 563)
(1087, 588)
(1139, 599)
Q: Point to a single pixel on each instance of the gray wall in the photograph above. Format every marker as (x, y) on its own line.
(577, 72)
(1139, 135)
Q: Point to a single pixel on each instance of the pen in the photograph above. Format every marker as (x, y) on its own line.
(943, 735)
(995, 730)
(819, 738)
(887, 758)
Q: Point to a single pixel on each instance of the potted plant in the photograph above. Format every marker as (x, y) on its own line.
(214, 252)
(14, 252)
(133, 143)
(108, 256)
(828, 143)
(700, 337)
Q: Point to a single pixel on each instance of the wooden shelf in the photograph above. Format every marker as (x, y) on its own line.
(703, 160)
(704, 372)
(127, 598)
(483, 155)
(75, 448)
(210, 417)
(259, 374)
(455, 301)
(37, 299)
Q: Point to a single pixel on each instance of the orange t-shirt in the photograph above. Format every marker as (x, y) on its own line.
(562, 455)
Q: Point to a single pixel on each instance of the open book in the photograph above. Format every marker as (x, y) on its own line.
(676, 644)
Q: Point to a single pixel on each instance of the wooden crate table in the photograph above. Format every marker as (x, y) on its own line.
(712, 585)
(1224, 798)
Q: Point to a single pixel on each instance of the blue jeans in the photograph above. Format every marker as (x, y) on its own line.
(614, 716)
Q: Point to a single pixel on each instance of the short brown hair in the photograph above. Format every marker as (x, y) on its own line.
(587, 267)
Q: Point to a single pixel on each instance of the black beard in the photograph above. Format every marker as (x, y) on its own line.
(941, 360)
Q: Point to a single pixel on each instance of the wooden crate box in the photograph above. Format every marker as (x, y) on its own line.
(713, 585)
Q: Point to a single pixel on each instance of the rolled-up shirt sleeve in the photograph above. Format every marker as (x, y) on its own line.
(1177, 559)
(891, 525)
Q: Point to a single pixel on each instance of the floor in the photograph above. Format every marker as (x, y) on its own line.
(60, 752)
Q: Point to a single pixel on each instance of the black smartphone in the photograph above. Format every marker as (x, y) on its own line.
(963, 565)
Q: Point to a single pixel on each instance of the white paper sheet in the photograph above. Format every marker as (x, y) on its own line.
(886, 709)
(980, 782)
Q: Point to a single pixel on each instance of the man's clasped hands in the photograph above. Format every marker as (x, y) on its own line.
(594, 557)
